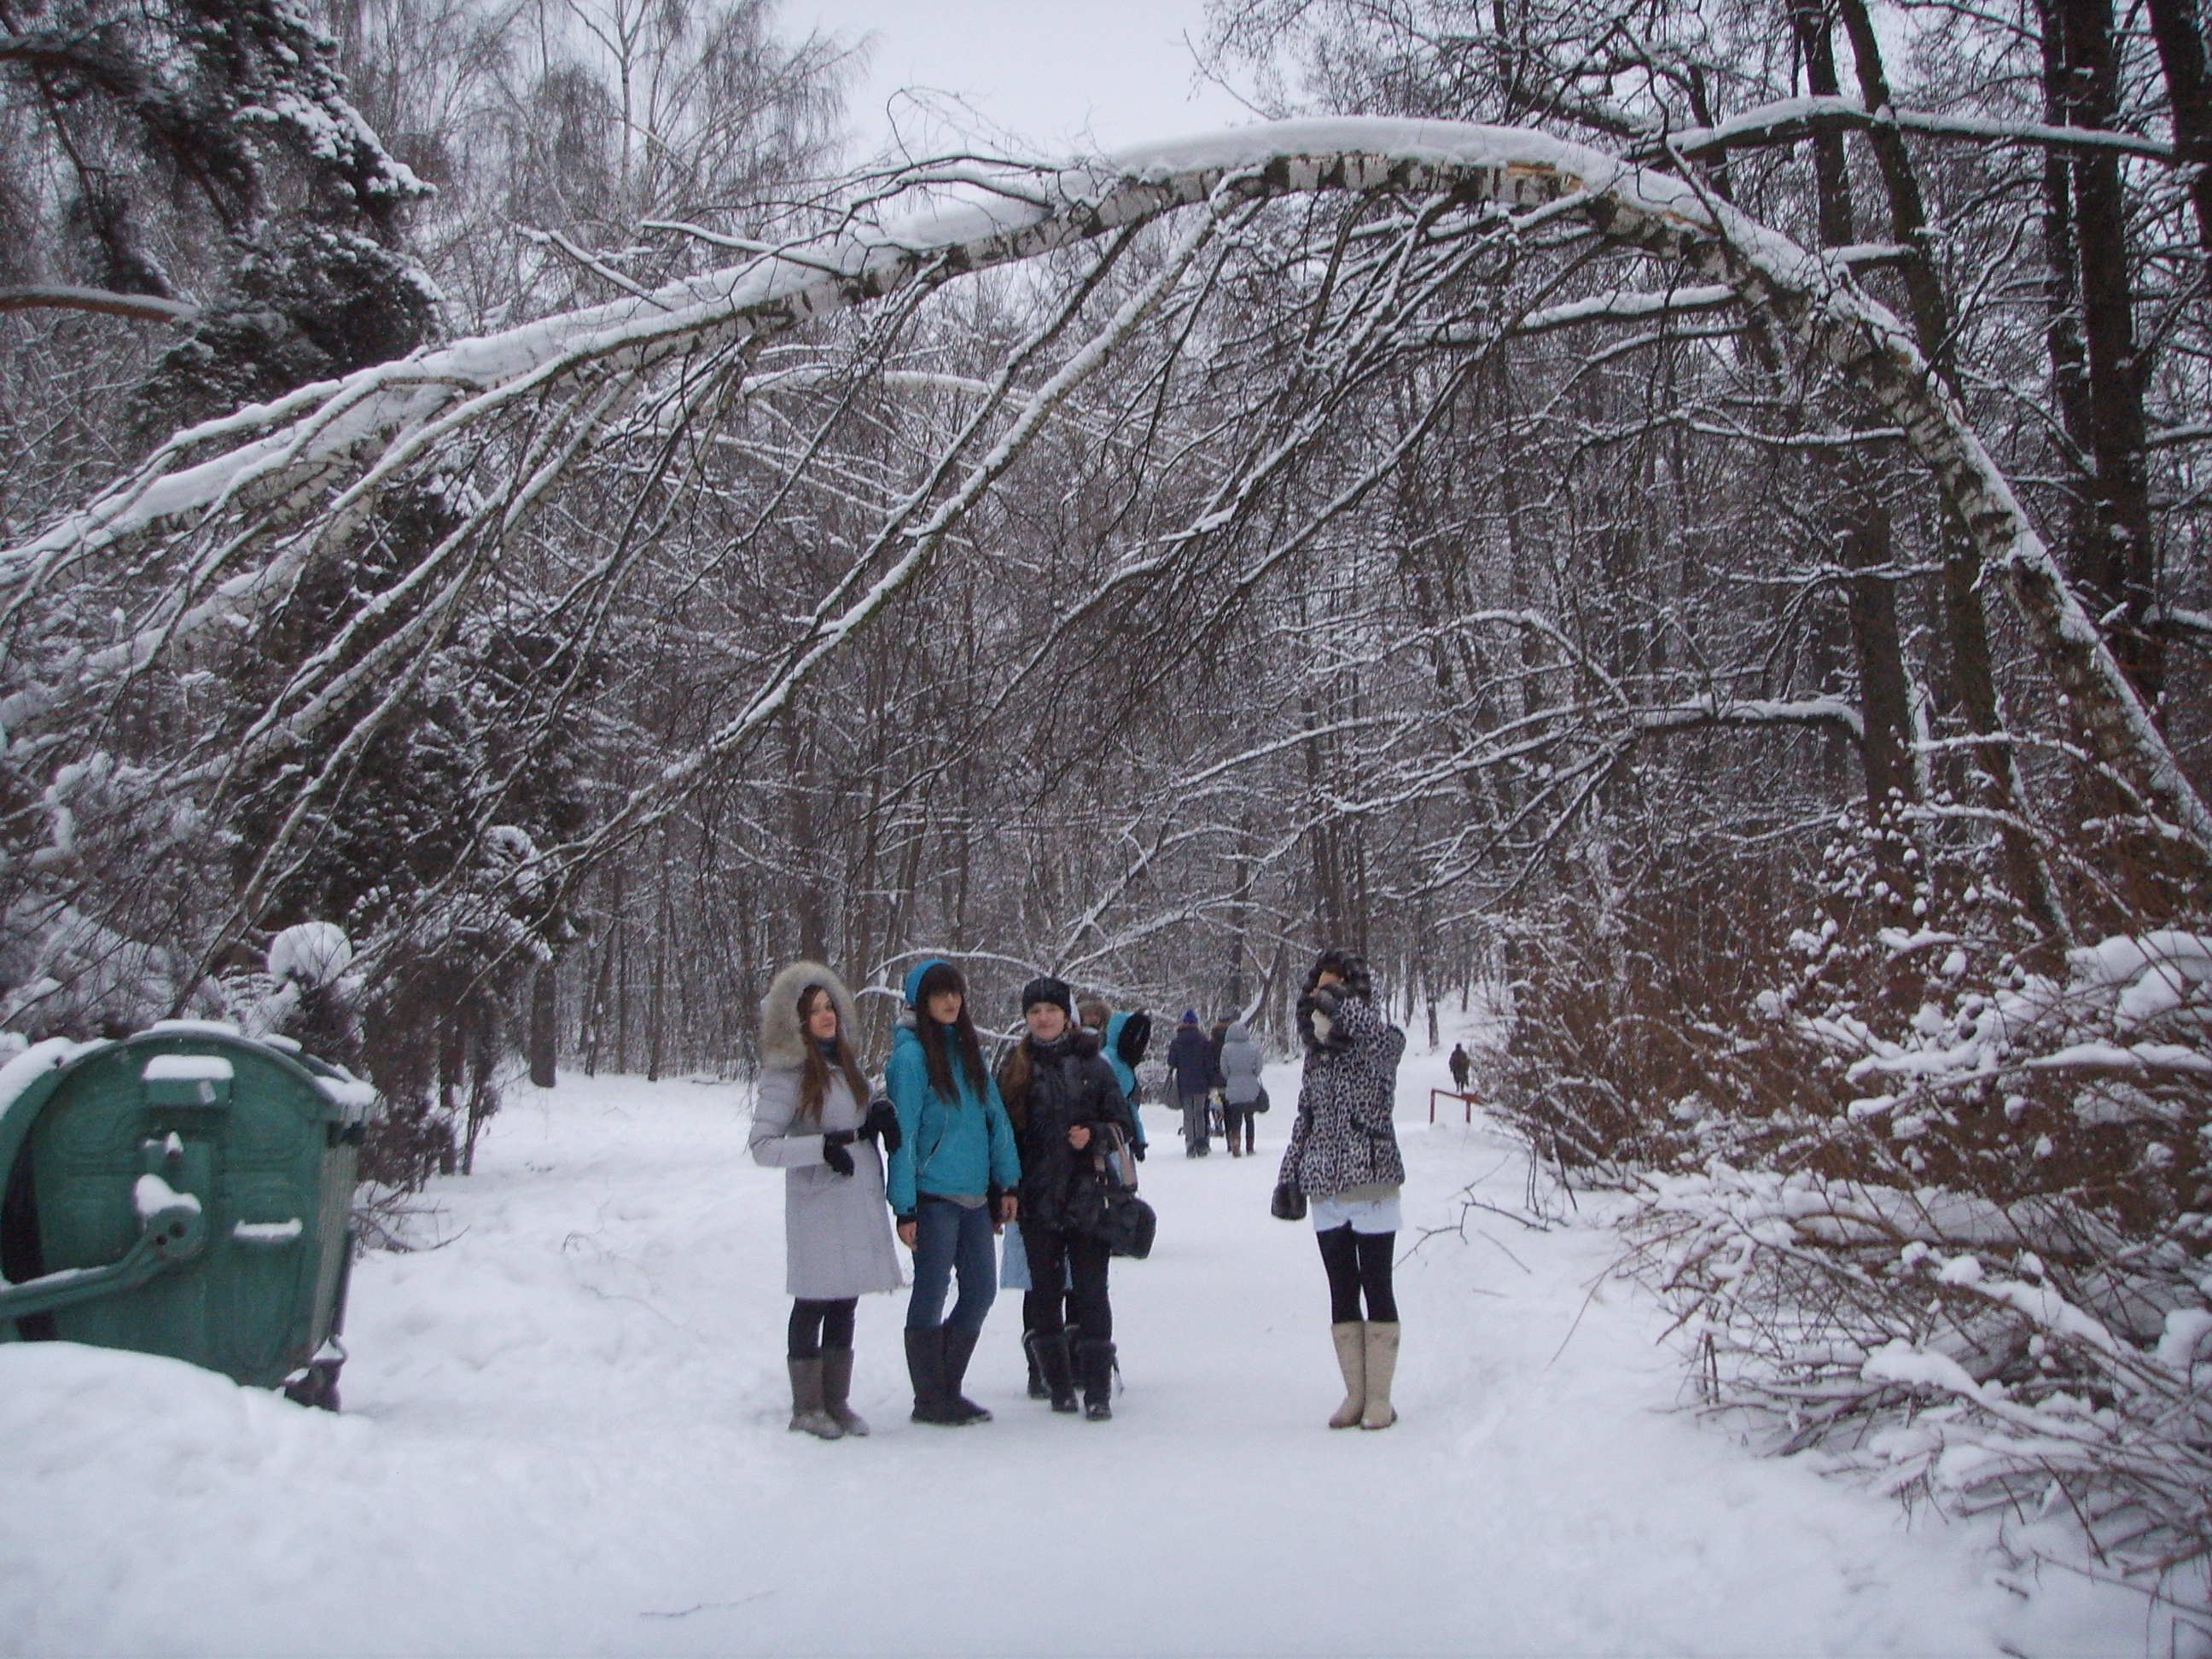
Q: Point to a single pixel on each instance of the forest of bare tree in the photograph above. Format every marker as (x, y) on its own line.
(1689, 525)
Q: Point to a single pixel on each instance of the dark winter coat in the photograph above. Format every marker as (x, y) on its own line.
(1070, 1084)
(1190, 1060)
(1343, 1138)
(836, 1236)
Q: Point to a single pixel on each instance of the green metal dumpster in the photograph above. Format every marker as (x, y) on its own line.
(185, 1192)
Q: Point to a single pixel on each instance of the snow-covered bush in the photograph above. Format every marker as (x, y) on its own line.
(2025, 1358)
(1926, 1194)
(306, 992)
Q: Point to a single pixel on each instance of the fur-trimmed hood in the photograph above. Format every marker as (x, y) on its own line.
(781, 1041)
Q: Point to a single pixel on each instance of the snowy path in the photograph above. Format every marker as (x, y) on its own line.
(565, 1435)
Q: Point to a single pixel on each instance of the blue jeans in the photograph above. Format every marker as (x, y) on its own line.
(947, 1237)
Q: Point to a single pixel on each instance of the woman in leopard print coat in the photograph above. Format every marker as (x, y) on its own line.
(1343, 1161)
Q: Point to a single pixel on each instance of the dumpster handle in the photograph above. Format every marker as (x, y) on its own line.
(173, 1236)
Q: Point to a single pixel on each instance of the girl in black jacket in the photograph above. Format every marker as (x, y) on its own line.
(1066, 1105)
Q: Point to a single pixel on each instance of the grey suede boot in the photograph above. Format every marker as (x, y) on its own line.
(837, 1389)
(1381, 1367)
(1351, 1339)
(807, 1411)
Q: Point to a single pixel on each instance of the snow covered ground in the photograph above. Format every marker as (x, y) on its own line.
(565, 1435)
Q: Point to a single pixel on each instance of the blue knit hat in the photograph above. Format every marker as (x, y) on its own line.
(914, 979)
(1190, 1016)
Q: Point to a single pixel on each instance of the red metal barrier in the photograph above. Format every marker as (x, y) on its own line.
(1467, 1101)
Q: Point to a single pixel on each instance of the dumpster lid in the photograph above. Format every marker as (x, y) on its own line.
(349, 1093)
(188, 1068)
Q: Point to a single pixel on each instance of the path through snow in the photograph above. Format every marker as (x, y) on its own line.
(565, 1435)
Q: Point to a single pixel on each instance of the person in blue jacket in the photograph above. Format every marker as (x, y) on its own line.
(1122, 1039)
(951, 1184)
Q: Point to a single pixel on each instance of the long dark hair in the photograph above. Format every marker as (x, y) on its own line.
(814, 1073)
(937, 979)
(1015, 1076)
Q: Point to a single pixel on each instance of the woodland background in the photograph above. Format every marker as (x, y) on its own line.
(1455, 584)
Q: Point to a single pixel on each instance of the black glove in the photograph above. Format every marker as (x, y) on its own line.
(883, 1125)
(1138, 1149)
(834, 1153)
(1288, 1204)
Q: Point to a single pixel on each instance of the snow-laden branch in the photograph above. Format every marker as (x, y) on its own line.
(1790, 119)
(1756, 711)
(325, 439)
(1011, 215)
(139, 308)
(1626, 305)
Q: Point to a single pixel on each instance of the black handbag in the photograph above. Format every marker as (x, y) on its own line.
(1258, 1101)
(1130, 1224)
(1114, 1211)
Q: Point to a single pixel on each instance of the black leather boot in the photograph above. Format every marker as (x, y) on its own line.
(1094, 1362)
(959, 1348)
(1052, 1354)
(925, 1364)
(1037, 1388)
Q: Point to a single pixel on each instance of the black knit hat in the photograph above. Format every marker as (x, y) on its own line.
(1054, 991)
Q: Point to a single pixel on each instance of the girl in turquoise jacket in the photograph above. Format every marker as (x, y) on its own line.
(951, 1184)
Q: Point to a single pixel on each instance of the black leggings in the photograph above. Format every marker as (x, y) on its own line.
(818, 1325)
(1356, 1262)
(1053, 1256)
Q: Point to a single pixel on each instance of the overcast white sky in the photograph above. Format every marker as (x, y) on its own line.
(1062, 74)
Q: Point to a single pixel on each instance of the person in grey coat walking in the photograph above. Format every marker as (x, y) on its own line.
(813, 1118)
(1241, 1093)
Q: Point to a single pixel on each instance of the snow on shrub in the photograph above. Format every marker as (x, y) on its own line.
(2026, 1333)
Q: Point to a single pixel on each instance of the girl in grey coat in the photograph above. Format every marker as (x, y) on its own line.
(1241, 1091)
(812, 1118)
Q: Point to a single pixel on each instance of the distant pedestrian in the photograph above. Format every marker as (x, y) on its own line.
(952, 1181)
(1343, 1160)
(812, 1120)
(1067, 1106)
(1190, 1072)
(1217, 1114)
(1241, 1092)
(1122, 1039)
(1461, 1065)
